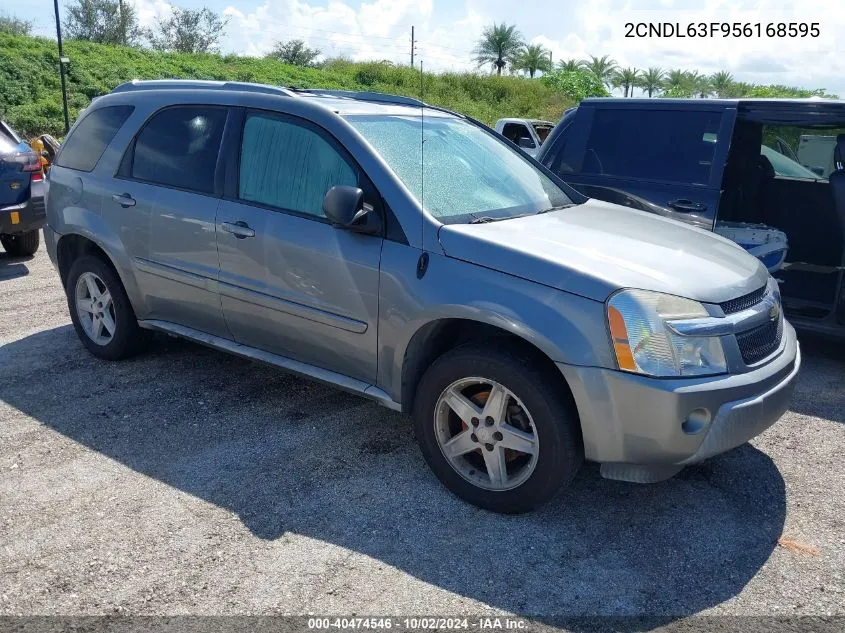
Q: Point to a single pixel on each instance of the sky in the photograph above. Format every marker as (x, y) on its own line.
(446, 31)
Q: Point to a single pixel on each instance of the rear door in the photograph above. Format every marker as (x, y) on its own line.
(290, 283)
(164, 199)
(669, 157)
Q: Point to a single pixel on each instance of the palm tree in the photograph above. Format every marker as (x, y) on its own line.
(569, 65)
(533, 57)
(722, 83)
(602, 67)
(699, 84)
(675, 79)
(651, 80)
(626, 78)
(499, 45)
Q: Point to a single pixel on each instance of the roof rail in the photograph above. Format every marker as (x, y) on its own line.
(199, 84)
(379, 97)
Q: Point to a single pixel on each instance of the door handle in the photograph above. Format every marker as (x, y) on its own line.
(239, 229)
(687, 206)
(123, 199)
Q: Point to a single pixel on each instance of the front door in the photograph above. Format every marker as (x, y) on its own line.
(290, 283)
(642, 156)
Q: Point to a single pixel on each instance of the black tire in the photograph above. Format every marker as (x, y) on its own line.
(128, 338)
(555, 422)
(21, 244)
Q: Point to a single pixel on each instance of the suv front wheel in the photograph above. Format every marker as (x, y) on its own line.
(100, 310)
(495, 428)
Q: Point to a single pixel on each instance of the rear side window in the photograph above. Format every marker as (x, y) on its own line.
(84, 147)
(178, 147)
(289, 166)
(662, 145)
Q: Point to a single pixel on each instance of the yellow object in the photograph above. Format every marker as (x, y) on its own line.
(16, 217)
(621, 346)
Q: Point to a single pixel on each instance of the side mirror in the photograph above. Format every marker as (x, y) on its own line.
(345, 208)
(525, 142)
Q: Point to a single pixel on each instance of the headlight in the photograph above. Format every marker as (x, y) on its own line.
(644, 344)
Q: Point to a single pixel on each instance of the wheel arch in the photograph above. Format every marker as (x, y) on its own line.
(71, 246)
(436, 337)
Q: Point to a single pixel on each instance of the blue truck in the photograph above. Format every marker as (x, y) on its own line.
(724, 165)
(22, 212)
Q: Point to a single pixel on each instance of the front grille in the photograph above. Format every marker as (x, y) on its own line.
(744, 302)
(759, 342)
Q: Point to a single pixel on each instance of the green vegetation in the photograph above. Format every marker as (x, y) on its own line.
(30, 93)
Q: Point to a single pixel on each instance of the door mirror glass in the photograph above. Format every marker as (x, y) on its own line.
(345, 208)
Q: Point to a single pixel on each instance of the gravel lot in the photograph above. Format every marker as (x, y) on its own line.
(186, 481)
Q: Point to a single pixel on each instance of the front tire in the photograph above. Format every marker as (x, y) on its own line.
(496, 428)
(21, 244)
(100, 310)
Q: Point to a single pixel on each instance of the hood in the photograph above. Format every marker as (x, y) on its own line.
(596, 248)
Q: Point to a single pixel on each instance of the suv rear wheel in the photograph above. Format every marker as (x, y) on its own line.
(21, 244)
(100, 310)
(495, 429)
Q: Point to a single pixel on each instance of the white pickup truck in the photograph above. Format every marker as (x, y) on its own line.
(529, 134)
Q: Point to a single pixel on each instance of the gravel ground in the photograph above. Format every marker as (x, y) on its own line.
(186, 481)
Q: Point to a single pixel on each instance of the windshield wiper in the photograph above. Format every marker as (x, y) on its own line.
(484, 219)
(563, 206)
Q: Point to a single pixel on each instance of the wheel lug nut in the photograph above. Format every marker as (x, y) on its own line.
(474, 421)
(473, 437)
(488, 421)
(489, 447)
(498, 436)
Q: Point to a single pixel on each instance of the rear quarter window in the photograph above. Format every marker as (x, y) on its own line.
(659, 145)
(86, 144)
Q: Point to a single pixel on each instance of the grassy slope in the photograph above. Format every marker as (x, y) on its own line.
(30, 95)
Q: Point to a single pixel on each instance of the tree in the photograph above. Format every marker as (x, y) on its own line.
(532, 58)
(499, 46)
(722, 83)
(569, 65)
(575, 84)
(626, 78)
(14, 26)
(294, 52)
(652, 80)
(103, 21)
(188, 31)
(699, 84)
(602, 67)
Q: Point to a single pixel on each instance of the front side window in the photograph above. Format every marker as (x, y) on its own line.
(660, 145)
(461, 172)
(84, 147)
(178, 148)
(289, 166)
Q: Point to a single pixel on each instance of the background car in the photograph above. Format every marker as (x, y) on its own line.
(21, 194)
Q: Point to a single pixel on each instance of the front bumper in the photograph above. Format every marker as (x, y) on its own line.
(632, 419)
(20, 218)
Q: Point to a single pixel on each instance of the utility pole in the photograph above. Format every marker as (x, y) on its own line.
(62, 61)
(413, 46)
(122, 23)
(551, 63)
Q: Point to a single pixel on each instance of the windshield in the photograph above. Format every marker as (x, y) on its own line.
(468, 173)
(785, 166)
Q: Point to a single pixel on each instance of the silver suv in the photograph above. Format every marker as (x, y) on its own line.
(412, 256)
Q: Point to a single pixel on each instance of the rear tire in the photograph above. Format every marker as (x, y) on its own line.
(21, 244)
(100, 310)
(508, 463)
